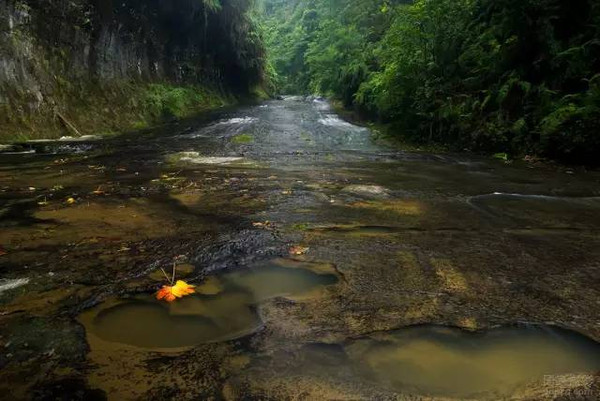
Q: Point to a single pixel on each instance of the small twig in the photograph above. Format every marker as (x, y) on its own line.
(70, 127)
(165, 273)
(173, 280)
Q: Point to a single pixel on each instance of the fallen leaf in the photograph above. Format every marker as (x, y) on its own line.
(170, 293)
(298, 250)
(3, 251)
(70, 201)
(259, 224)
(98, 191)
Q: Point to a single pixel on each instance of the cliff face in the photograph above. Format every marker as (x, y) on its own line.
(110, 65)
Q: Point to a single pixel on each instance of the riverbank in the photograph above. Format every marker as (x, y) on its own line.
(387, 135)
(106, 111)
(384, 133)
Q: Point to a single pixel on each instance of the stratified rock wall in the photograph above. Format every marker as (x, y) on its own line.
(61, 54)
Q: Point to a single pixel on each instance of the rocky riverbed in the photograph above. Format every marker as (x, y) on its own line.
(328, 266)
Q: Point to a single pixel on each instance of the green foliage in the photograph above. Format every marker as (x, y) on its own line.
(167, 101)
(508, 76)
(242, 139)
(212, 5)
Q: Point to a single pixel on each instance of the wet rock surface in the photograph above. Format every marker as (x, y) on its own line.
(412, 238)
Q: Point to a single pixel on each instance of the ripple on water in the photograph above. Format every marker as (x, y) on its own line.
(334, 121)
(540, 210)
(222, 127)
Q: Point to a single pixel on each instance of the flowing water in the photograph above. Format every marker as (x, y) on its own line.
(327, 264)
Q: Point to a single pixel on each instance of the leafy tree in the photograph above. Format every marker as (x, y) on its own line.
(516, 76)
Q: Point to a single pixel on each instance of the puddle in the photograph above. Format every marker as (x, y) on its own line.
(434, 360)
(225, 307)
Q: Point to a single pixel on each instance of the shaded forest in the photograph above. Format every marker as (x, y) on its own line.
(514, 76)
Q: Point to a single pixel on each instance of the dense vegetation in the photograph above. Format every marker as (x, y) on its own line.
(516, 76)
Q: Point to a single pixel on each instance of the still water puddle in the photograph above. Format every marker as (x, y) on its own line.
(224, 307)
(435, 360)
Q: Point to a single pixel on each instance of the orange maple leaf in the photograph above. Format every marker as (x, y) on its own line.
(171, 293)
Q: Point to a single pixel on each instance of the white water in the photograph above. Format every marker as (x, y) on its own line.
(7, 284)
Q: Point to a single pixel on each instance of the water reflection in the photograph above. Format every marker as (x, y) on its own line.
(442, 361)
(225, 307)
